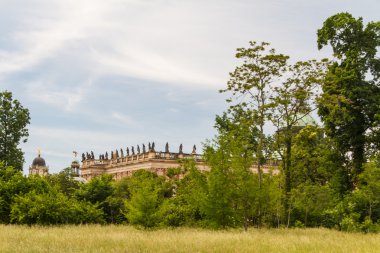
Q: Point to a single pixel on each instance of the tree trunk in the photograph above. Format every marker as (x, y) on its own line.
(259, 172)
(357, 159)
(287, 177)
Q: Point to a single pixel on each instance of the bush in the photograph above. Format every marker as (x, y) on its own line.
(52, 208)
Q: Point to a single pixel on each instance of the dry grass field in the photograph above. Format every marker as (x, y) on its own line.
(128, 239)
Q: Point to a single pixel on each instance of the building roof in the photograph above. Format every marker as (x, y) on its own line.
(39, 161)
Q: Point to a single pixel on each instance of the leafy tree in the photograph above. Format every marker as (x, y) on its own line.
(98, 191)
(147, 195)
(219, 207)
(251, 84)
(191, 194)
(314, 160)
(291, 104)
(64, 182)
(311, 200)
(370, 187)
(231, 184)
(13, 121)
(272, 197)
(349, 105)
(270, 88)
(13, 184)
(115, 202)
(53, 208)
(310, 157)
(174, 212)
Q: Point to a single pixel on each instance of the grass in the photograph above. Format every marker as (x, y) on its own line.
(96, 238)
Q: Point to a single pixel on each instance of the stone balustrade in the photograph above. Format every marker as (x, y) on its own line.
(120, 166)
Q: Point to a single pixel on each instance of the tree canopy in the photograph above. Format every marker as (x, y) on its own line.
(349, 104)
(13, 121)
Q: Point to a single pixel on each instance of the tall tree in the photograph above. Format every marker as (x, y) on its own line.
(251, 86)
(13, 121)
(270, 88)
(232, 189)
(351, 92)
(292, 103)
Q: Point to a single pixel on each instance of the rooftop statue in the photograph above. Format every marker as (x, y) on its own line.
(117, 154)
(167, 148)
(127, 151)
(83, 157)
(144, 151)
(180, 149)
(138, 149)
(133, 150)
(121, 153)
(194, 149)
(112, 156)
(92, 155)
(153, 147)
(106, 155)
(149, 147)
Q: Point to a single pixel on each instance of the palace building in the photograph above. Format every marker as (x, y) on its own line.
(121, 165)
(38, 166)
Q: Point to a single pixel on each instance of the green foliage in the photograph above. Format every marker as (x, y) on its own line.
(191, 194)
(268, 88)
(146, 198)
(310, 201)
(13, 121)
(271, 195)
(97, 190)
(314, 160)
(367, 196)
(349, 104)
(251, 86)
(308, 156)
(291, 104)
(53, 208)
(12, 184)
(100, 191)
(360, 210)
(327, 177)
(173, 213)
(231, 184)
(64, 182)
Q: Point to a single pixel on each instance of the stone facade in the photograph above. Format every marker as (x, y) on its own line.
(124, 166)
(120, 166)
(38, 167)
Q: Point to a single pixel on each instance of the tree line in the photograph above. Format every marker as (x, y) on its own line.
(327, 176)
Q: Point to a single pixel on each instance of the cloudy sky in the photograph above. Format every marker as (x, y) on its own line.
(100, 75)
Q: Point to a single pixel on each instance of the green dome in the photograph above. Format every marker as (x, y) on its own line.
(305, 121)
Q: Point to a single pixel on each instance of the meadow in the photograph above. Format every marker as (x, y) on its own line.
(96, 238)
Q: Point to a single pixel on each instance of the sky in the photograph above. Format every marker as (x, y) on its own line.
(103, 75)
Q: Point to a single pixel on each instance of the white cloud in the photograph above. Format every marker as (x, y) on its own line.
(65, 98)
(138, 62)
(46, 29)
(181, 42)
(57, 144)
(175, 110)
(124, 119)
(126, 38)
(57, 45)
